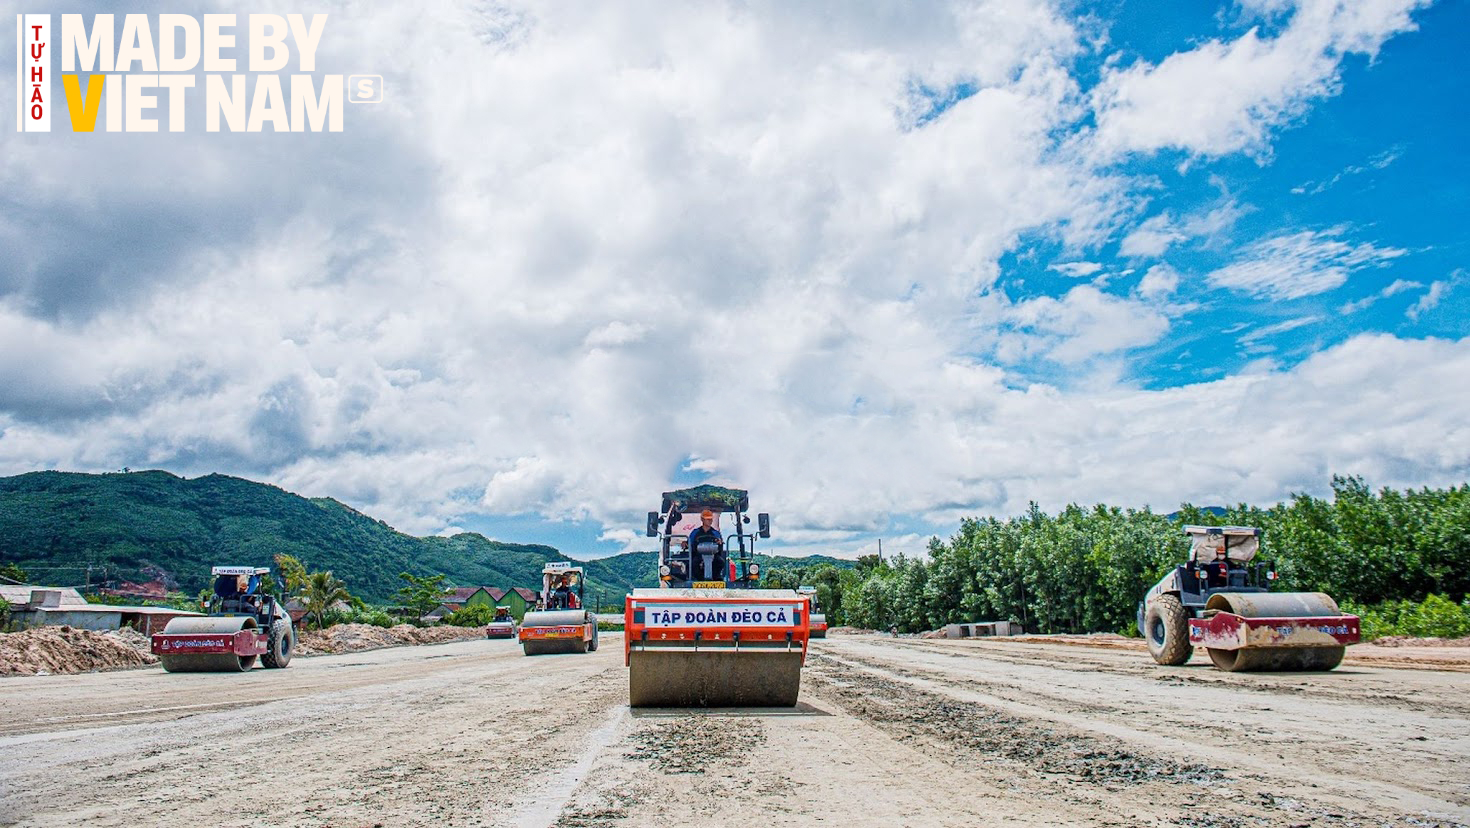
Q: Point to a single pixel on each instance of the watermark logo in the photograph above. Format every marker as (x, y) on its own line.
(365, 88)
(33, 74)
(120, 76)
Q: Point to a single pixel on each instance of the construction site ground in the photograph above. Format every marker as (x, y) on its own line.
(889, 732)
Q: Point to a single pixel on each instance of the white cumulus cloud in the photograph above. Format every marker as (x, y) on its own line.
(1223, 96)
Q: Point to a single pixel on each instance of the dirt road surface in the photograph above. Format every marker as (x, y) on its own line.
(889, 732)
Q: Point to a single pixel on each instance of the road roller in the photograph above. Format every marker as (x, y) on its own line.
(503, 625)
(560, 623)
(818, 618)
(243, 624)
(709, 635)
(1221, 601)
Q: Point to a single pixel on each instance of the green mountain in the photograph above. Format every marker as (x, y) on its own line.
(153, 524)
(641, 568)
(139, 526)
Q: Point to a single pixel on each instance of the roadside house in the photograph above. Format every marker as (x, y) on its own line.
(519, 599)
(40, 606)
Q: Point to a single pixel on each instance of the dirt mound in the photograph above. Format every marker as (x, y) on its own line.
(134, 639)
(1406, 641)
(351, 638)
(45, 650)
(934, 634)
(850, 631)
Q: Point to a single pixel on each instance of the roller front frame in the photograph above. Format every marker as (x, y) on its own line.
(210, 644)
(1246, 621)
(689, 620)
(716, 648)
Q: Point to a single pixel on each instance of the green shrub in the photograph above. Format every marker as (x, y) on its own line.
(1437, 617)
(474, 615)
(1434, 617)
(364, 615)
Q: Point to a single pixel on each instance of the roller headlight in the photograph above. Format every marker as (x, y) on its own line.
(663, 570)
(754, 570)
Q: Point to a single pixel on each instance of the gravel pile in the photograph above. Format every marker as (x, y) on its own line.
(351, 638)
(134, 639)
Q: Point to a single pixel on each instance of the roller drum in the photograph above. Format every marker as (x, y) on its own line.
(554, 646)
(1274, 604)
(555, 618)
(1277, 659)
(207, 662)
(659, 678)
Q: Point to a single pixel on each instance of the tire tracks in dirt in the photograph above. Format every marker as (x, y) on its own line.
(1062, 753)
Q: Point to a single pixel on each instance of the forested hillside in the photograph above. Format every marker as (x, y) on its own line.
(72, 529)
(141, 525)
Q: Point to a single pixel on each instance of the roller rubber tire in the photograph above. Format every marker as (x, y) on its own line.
(1166, 630)
(281, 645)
(592, 645)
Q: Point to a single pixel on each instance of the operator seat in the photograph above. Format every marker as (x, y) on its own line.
(1236, 576)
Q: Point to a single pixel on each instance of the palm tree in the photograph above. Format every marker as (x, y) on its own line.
(320, 592)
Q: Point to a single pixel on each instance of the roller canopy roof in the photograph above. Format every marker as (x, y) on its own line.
(1239, 542)
(718, 498)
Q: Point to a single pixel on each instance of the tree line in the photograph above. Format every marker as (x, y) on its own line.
(1086, 569)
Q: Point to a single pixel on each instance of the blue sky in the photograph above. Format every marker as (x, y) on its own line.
(1376, 163)
(885, 265)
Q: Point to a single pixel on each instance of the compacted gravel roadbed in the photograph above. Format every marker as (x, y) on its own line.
(889, 732)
